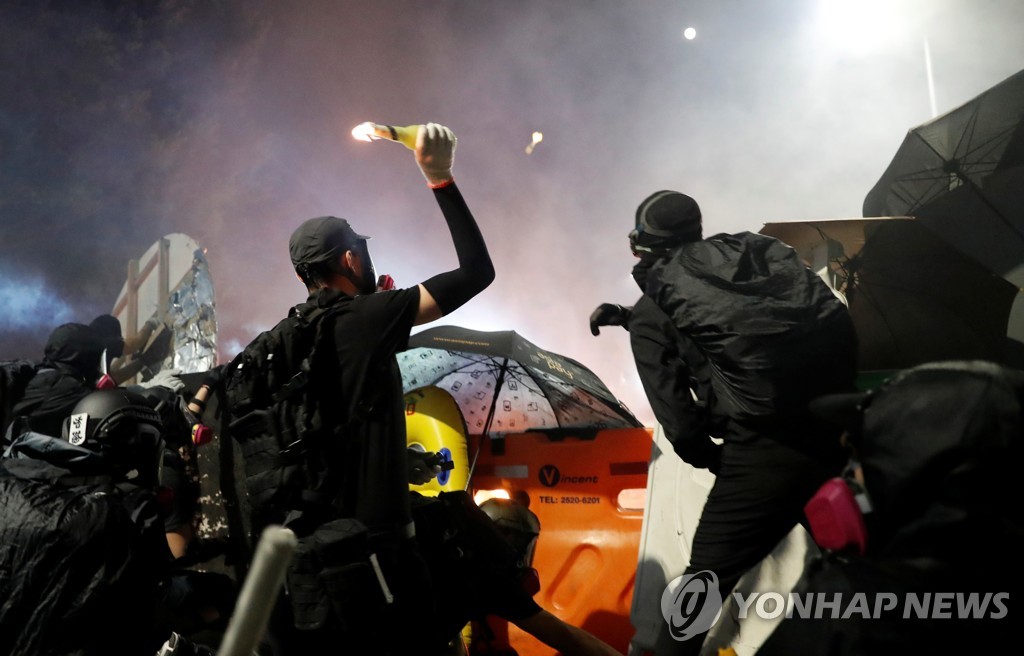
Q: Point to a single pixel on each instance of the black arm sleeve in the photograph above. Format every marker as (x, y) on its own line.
(452, 289)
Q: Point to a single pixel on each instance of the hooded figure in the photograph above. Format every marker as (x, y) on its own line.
(940, 447)
(733, 336)
(70, 368)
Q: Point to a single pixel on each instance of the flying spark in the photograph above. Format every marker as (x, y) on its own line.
(537, 138)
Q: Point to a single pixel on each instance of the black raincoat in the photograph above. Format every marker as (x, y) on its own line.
(941, 451)
(80, 556)
(14, 376)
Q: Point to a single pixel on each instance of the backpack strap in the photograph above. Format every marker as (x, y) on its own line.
(282, 442)
(305, 320)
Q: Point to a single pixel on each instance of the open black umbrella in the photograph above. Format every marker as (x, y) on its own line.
(504, 383)
(962, 175)
(915, 299)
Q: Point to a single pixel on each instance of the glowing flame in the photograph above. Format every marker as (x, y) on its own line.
(537, 138)
(365, 132)
(484, 495)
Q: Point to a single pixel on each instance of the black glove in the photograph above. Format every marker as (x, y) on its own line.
(158, 348)
(214, 377)
(608, 314)
(422, 466)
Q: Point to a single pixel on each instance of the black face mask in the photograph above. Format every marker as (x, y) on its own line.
(367, 283)
(640, 271)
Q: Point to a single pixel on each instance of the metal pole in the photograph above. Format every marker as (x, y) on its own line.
(259, 593)
(163, 283)
(490, 418)
(931, 78)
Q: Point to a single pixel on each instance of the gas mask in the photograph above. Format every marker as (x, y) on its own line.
(835, 514)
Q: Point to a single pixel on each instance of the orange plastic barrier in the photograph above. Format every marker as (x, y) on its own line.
(589, 496)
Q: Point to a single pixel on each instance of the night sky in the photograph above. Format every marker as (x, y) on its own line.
(229, 121)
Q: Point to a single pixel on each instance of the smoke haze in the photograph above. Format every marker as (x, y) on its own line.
(229, 121)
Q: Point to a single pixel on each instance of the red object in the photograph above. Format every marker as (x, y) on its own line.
(201, 434)
(106, 382)
(835, 519)
(385, 283)
(165, 500)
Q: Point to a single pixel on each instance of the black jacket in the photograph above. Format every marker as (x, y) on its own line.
(14, 377)
(80, 556)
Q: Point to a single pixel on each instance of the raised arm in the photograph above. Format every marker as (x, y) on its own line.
(446, 292)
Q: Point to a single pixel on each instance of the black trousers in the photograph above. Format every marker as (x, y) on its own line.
(757, 499)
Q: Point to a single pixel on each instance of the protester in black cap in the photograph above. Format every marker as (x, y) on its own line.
(732, 337)
(344, 374)
(126, 357)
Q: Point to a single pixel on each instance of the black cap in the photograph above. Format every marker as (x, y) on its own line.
(669, 215)
(108, 329)
(321, 240)
(107, 326)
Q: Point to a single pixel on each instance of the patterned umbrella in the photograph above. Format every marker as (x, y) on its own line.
(506, 384)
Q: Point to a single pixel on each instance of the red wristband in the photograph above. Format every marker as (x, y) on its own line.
(441, 185)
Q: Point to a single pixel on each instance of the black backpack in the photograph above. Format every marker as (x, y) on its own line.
(277, 420)
(14, 377)
(770, 333)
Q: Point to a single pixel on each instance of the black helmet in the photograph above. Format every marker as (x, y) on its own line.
(123, 429)
(664, 220)
(517, 523)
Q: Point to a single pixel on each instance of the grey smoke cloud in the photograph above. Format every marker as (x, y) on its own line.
(229, 121)
(29, 305)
